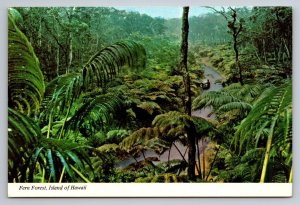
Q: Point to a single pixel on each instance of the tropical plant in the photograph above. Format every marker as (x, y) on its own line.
(23, 138)
(232, 102)
(270, 121)
(230, 167)
(176, 125)
(45, 154)
(82, 108)
(104, 65)
(144, 139)
(25, 80)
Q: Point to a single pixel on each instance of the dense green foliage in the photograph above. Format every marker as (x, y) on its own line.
(99, 95)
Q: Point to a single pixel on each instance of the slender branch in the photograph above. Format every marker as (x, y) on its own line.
(212, 164)
(179, 152)
(169, 156)
(149, 161)
(135, 159)
(54, 37)
(144, 155)
(199, 157)
(223, 13)
(185, 151)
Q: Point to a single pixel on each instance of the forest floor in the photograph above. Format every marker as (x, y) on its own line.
(215, 85)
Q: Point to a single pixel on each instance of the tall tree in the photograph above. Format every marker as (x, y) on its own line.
(235, 26)
(188, 95)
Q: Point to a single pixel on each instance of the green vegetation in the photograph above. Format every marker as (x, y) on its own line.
(104, 95)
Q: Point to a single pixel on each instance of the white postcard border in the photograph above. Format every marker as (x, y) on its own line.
(149, 190)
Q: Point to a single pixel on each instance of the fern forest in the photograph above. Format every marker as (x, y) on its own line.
(104, 94)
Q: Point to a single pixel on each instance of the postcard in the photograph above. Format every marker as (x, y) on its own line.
(150, 101)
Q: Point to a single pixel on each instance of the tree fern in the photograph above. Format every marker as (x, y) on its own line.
(235, 100)
(63, 154)
(149, 107)
(23, 138)
(173, 118)
(143, 139)
(29, 151)
(27, 147)
(25, 79)
(232, 97)
(95, 113)
(105, 64)
(117, 136)
(267, 113)
(107, 148)
(60, 94)
(174, 124)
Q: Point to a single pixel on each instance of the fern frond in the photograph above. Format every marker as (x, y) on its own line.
(149, 106)
(173, 118)
(23, 143)
(105, 64)
(96, 112)
(107, 148)
(25, 79)
(143, 139)
(231, 97)
(214, 99)
(60, 94)
(265, 111)
(242, 106)
(64, 154)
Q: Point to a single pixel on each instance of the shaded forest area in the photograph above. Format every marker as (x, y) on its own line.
(106, 95)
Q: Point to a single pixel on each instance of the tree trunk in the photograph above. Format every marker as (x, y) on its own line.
(264, 50)
(257, 55)
(169, 156)
(199, 158)
(184, 56)
(235, 27)
(278, 57)
(187, 87)
(40, 33)
(286, 49)
(203, 158)
(70, 55)
(237, 65)
(57, 62)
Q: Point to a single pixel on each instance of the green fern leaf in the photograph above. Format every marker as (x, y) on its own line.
(51, 164)
(25, 79)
